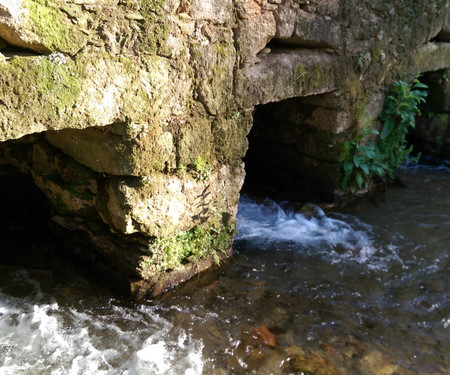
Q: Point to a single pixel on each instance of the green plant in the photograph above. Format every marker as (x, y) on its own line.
(201, 169)
(361, 58)
(361, 159)
(445, 75)
(235, 115)
(399, 115)
(190, 246)
(181, 169)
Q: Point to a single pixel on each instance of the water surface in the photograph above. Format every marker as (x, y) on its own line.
(357, 290)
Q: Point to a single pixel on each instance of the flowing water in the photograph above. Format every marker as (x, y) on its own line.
(357, 290)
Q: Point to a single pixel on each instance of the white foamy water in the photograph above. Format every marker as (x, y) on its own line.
(268, 223)
(40, 337)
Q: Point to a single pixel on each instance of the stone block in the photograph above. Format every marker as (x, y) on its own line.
(150, 150)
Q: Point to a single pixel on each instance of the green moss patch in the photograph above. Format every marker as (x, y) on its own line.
(49, 85)
(156, 28)
(190, 246)
(53, 28)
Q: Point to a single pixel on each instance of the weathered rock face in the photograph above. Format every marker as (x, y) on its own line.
(323, 76)
(143, 108)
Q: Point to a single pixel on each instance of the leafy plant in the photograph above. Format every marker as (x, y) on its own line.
(201, 169)
(171, 252)
(445, 75)
(361, 159)
(399, 115)
(361, 58)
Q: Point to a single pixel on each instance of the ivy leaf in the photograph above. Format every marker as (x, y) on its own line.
(388, 127)
(357, 160)
(345, 182)
(365, 169)
(379, 171)
(369, 151)
(359, 179)
(419, 85)
(348, 167)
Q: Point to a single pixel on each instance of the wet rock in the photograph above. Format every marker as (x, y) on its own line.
(14, 278)
(379, 364)
(303, 361)
(219, 371)
(261, 360)
(261, 336)
(310, 210)
(266, 361)
(256, 292)
(214, 330)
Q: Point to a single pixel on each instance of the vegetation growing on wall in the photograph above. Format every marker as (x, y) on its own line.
(190, 246)
(362, 160)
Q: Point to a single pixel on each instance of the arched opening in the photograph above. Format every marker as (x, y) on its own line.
(24, 222)
(33, 233)
(431, 135)
(292, 148)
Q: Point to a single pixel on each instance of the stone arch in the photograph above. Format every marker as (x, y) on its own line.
(431, 135)
(294, 147)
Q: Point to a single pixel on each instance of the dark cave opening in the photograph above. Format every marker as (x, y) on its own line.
(33, 240)
(291, 151)
(431, 134)
(27, 240)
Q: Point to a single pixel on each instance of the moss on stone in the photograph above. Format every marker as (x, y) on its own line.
(317, 76)
(200, 169)
(214, 64)
(200, 242)
(376, 54)
(230, 142)
(222, 48)
(51, 85)
(156, 27)
(194, 139)
(301, 71)
(53, 28)
(311, 77)
(355, 90)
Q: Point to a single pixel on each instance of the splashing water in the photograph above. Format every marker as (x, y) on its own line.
(339, 238)
(40, 337)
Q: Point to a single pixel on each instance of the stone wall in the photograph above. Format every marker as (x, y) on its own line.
(132, 116)
(321, 73)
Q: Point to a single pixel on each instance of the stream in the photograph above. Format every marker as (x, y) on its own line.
(357, 290)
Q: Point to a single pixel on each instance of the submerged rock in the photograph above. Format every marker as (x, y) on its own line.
(261, 336)
(308, 362)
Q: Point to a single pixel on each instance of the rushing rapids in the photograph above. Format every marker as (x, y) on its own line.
(362, 289)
